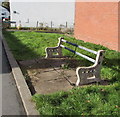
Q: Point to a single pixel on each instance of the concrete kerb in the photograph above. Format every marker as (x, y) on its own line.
(21, 83)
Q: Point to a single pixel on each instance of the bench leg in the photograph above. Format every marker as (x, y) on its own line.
(52, 52)
(86, 75)
(90, 74)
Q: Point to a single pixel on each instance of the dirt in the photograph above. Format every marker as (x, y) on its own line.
(50, 75)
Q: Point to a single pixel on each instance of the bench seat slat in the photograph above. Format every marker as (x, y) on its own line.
(92, 51)
(84, 56)
(81, 47)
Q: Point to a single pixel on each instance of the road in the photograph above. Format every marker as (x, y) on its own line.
(11, 101)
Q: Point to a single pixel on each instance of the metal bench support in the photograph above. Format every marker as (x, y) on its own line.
(52, 52)
(86, 75)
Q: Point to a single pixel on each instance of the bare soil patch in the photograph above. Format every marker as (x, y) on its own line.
(46, 76)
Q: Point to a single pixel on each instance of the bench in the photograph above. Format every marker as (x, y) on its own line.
(85, 75)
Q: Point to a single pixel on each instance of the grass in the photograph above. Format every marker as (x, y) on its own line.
(90, 100)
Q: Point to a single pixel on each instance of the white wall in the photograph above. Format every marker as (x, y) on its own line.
(5, 11)
(0, 18)
(31, 12)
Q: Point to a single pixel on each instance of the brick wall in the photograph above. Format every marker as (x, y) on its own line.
(97, 22)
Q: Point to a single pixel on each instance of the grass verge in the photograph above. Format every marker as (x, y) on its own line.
(90, 100)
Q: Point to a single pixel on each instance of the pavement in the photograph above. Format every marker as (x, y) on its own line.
(10, 98)
(47, 76)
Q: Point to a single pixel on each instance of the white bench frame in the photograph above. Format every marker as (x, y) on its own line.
(85, 75)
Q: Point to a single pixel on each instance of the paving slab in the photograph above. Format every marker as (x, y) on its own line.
(47, 76)
(52, 81)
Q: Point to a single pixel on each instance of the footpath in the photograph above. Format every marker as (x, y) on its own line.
(11, 101)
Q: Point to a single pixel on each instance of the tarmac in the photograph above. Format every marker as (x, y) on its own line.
(10, 98)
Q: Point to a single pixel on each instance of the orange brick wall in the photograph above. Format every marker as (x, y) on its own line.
(97, 22)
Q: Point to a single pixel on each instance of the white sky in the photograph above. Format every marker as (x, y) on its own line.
(65, 0)
(61, 0)
(42, 0)
(56, 12)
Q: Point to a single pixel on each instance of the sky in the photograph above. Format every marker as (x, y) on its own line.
(64, 0)
(60, 0)
(58, 13)
(3, 0)
(38, 0)
(42, 0)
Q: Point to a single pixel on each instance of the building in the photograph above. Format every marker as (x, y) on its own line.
(98, 21)
(4, 12)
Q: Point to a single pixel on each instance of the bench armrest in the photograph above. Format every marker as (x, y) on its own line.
(52, 52)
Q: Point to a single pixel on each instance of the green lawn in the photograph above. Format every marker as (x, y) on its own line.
(90, 100)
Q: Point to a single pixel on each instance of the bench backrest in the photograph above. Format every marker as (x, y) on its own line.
(99, 53)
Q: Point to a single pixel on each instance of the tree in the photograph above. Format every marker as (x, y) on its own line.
(6, 5)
